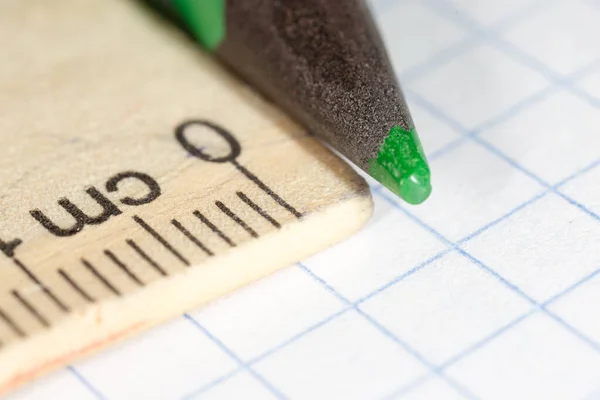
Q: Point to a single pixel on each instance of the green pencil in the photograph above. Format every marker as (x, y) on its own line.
(324, 62)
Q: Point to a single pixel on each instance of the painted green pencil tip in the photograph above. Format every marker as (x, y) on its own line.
(415, 188)
(401, 166)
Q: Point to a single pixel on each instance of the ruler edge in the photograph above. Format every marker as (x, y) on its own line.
(60, 352)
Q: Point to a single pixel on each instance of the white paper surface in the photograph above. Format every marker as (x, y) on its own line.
(489, 290)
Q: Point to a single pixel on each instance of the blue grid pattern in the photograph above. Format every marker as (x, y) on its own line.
(491, 36)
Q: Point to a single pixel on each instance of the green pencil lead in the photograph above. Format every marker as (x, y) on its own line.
(401, 166)
(206, 20)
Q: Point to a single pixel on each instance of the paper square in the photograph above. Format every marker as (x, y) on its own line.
(446, 307)
(561, 128)
(261, 316)
(168, 362)
(563, 36)
(585, 189)
(579, 308)
(432, 389)
(536, 359)
(414, 34)
(543, 248)
(347, 358)
(240, 386)
(471, 188)
(478, 85)
(491, 12)
(387, 247)
(61, 385)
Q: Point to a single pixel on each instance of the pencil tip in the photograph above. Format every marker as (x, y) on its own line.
(401, 166)
(415, 188)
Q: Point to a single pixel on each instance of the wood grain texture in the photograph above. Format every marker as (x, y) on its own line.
(108, 223)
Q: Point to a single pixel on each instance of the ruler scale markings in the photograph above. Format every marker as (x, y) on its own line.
(161, 240)
(75, 286)
(191, 237)
(44, 288)
(234, 152)
(56, 225)
(266, 189)
(214, 228)
(146, 257)
(123, 267)
(258, 209)
(236, 219)
(12, 324)
(100, 277)
(31, 309)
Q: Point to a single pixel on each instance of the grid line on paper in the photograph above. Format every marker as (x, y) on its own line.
(382, 330)
(86, 383)
(454, 359)
(524, 170)
(506, 114)
(268, 385)
(465, 44)
(522, 105)
(390, 335)
(526, 102)
(571, 288)
(479, 231)
(476, 261)
(491, 36)
(212, 384)
(476, 32)
(549, 188)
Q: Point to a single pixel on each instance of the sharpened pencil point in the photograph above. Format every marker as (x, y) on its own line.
(401, 166)
(325, 64)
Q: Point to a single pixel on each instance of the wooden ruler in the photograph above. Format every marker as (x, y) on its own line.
(139, 180)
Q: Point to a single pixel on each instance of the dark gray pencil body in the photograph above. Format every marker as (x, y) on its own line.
(323, 61)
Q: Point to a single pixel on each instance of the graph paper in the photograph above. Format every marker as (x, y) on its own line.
(489, 290)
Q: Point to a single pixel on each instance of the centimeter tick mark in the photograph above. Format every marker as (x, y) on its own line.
(44, 288)
(146, 257)
(236, 219)
(75, 286)
(161, 240)
(123, 267)
(12, 324)
(31, 309)
(266, 189)
(100, 277)
(191, 237)
(213, 228)
(259, 210)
